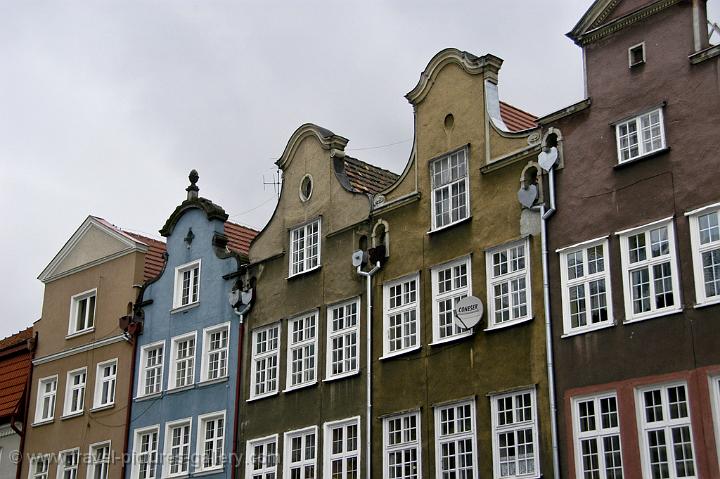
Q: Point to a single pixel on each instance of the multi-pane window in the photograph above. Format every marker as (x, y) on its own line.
(146, 454)
(262, 458)
(75, 391)
(99, 461)
(39, 466)
(68, 462)
(450, 192)
(105, 382)
(650, 274)
(187, 284)
(665, 432)
(342, 449)
(45, 406)
(597, 437)
(508, 284)
(265, 356)
(152, 369)
(182, 367)
(585, 274)
(82, 312)
(342, 348)
(451, 282)
(211, 441)
(305, 248)
(301, 454)
(215, 354)
(401, 315)
(640, 136)
(714, 383)
(401, 446)
(515, 438)
(302, 347)
(705, 239)
(455, 449)
(176, 460)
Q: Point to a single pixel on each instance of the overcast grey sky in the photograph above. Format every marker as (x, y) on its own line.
(106, 106)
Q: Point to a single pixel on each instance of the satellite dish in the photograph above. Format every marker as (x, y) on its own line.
(468, 312)
(357, 258)
(234, 297)
(527, 196)
(547, 159)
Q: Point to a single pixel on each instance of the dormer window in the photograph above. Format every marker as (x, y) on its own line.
(450, 192)
(640, 135)
(636, 55)
(187, 284)
(82, 312)
(305, 248)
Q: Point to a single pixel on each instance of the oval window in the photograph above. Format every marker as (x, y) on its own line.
(306, 188)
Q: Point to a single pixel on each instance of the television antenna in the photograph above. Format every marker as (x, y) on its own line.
(275, 181)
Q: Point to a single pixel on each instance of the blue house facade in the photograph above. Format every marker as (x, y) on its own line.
(186, 360)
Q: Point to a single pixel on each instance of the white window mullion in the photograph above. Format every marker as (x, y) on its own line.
(705, 242)
(342, 449)
(305, 248)
(301, 453)
(343, 326)
(215, 352)
(211, 441)
(302, 351)
(401, 315)
(515, 436)
(508, 284)
(265, 357)
(402, 458)
(455, 446)
(262, 458)
(450, 283)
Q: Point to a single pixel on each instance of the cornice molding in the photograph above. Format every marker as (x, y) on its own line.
(80, 349)
(328, 140)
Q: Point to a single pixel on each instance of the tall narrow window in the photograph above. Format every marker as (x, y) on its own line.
(262, 458)
(305, 248)
(515, 439)
(39, 466)
(75, 391)
(665, 432)
(99, 461)
(640, 136)
(705, 240)
(211, 441)
(597, 437)
(650, 275)
(152, 369)
(82, 312)
(586, 294)
(105, 381)
(451, 282)
(265, 356)
(401, 308)
(342, 449)
(68, 464)
(508, 284)
(301, 454)
(450, 192)
(455, 449)
(146, 453)
(342, 348)
(215, 354)
(177, 448)
(401, 446)
(187, 284)
(714, 383)
(45, 406)
(182, 367)
(302, 347)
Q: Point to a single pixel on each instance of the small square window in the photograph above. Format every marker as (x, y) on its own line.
(82, 312)
(187, 284)
(636, 55)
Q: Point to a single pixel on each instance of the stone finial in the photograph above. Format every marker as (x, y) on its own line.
(192, 190)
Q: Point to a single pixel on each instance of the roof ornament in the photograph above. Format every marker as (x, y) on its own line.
(192, 190)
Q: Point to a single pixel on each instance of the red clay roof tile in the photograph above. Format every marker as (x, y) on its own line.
(14, 370)
(516, 119)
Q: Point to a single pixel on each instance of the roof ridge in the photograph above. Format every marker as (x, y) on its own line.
(371, 165)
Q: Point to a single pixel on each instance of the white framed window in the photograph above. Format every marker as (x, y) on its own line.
(105, 383)
(342, 449)
(455, 443)
(265, 357)
(151, 369)
(402, 457)
(177, 448)
(343, 326)
(39, 466)
(305, 247)
(451, 282)
(187, 284)
(211, 441)
(145, 452)
(262, 458)
(302, 350)
(714, 385)
(68, 464)
(215, 352)
(182, 365)
(650, 276)
(515, 437)
(75, 391)
(640, 136)
(301, 454)
(450, 192)
(636, 55)
(82, 312)
(596, 431)
(401, 315)
(586, 291)
(705, 241)
(666, 442)
(508, 284)
(45, 404)
(99, 461)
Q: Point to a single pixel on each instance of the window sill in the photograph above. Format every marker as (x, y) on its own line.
(706, 303)
(337, 377)
(303, 273)
(258, 398)
(210, 382)
(508, 324)
(176, 476)
(659, 314)
(643, 157)
(443, 228)
(180, 389)
(103, 407)
(80, 333)
(453, 338)
(182, 309)
(299, 386)
(43, 422)
(72, 415)
(578, 332)
(207, 472)
(399, 353)
(149, 397)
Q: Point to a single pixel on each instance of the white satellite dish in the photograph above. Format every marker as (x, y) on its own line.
(468, 312)
(527, 196)
(547, 159)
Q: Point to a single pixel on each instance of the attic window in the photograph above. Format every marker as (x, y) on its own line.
(306, 188)
(636, 55)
